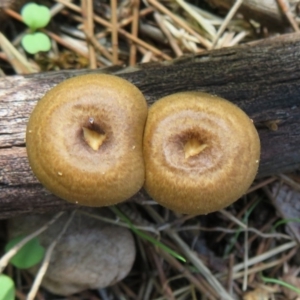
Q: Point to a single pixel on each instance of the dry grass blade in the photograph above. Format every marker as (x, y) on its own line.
(190, 255)
(286, 179)
(200, 266)
(105, 23)
(16, 59)
(209, 293)
(164, 29)
(44, 266)
(88, 24)
(180, 23)
(265, 266)
(265, 256)
(166, 288)
(117, 221)
(205, 24)
(229, 16)
(114, 27)
(134, 31)
(284, 5)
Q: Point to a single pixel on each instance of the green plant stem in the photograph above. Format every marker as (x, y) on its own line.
(280, 282)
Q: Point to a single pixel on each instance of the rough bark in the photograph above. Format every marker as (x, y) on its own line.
(262, 78)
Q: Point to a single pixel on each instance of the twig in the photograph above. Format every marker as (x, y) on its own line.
(7, 257)
(286, 179)
(121, 31)
(265, 266)
(142, 13)
(147, 55)
(130, 293)
(18, 61)
(230, 273)
(244, 209)
(240, 36)
(13, 14)
(228, 18)
(148, 289)
(202, 22)
(99, 47)
(134, 31)
(126, 21)
(193, 258)
(164, 283)
(135, 39)
(248, 229)
(200, 266)
(184, 271)
(66, 44)
(87, 14)
(44, 266)
(266, 255)
(114, 30)
(181, 23)
(233, 218)
(259, 250)
(284, 5)
(173, 44)
(120, 223)
(261, 184)
(246, 250)
(177, 293)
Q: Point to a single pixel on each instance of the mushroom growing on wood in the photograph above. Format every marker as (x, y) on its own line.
(201, 152)
(84, 140)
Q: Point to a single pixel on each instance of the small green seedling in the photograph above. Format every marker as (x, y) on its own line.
(36, 42)
(7, 288)
(35, 16)
(29, 255)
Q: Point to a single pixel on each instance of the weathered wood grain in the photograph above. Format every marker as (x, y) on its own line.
(262, 78)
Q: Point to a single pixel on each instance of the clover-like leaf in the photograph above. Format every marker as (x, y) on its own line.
(7, 288)
(35, 16)
(29, 255)
(33, 43)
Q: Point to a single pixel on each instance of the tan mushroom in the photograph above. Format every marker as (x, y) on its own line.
(201, 152)
(84, 140)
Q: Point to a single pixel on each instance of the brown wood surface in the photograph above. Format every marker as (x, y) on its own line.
(262, 78)
(265, 12)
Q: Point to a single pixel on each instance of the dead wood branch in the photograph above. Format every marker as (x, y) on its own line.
(262, 78)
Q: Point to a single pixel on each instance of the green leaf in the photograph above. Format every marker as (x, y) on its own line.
(29, 255)
(33, 43)
(35, 16)
(7, 290)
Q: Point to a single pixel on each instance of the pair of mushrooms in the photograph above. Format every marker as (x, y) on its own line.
(91, 140)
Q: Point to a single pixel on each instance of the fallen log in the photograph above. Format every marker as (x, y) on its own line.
(263, 78)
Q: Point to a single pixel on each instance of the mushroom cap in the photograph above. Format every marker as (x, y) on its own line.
(201, 152)
(84, 140)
